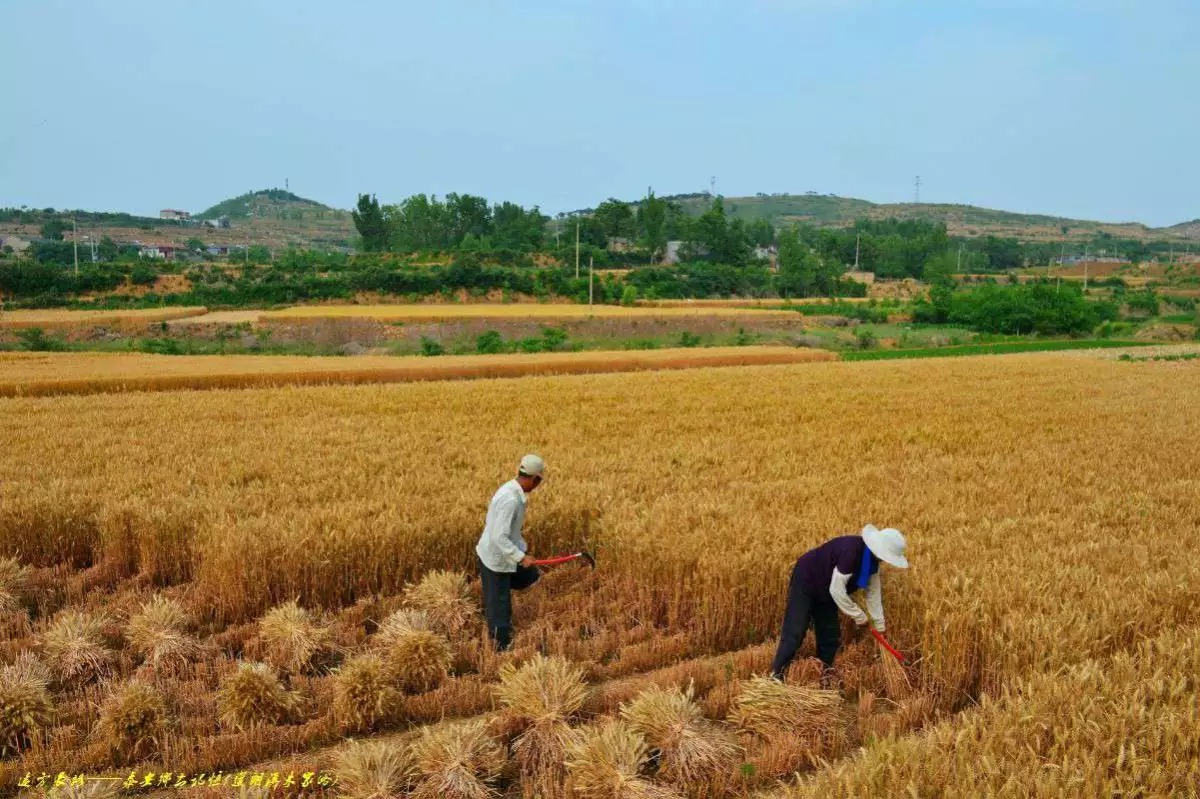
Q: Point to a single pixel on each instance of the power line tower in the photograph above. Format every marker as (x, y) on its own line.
(712, 186)
(917, 191)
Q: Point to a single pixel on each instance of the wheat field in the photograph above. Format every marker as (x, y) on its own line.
(766, 302)
(57, 319)
(239, 573)
(27, 374)
(544, 312)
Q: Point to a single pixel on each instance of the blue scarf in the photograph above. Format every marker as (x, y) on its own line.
(864, 571)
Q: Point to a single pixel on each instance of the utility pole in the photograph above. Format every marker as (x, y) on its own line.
(857, 241)
(591, 282)
(958, 270)
(75, 241)
(576, 249)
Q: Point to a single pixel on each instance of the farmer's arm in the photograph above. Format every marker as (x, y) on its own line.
(506, 511)
(875, 601)
(837, 590)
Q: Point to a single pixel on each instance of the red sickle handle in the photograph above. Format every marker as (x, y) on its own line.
(884, 643)
(556, 560)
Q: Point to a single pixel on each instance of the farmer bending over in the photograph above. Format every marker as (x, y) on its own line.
(504, 562)
(821, 584)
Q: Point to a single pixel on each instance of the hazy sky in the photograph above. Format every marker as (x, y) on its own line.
(1083, 108)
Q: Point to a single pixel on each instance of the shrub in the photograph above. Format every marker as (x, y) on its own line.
(143, 275)
(1145, 302)
(489, 343)
(629, 296)
(866, 339)
(689, 339)
(553, 338)
(430, 347)
(530, 345)
(34, 339)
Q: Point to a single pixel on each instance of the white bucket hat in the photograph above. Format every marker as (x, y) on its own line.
(888, 545)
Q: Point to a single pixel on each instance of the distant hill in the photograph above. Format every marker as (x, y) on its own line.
(961, 220)
(1190, 230)
(267, 204)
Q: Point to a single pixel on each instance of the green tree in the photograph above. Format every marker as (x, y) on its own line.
(53, 229)
(615, 219)
(652, 224)
(107, 249)
(798, 266)
(629, 296)
(195, 245)
(370, 223)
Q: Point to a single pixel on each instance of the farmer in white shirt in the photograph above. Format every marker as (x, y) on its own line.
(504, 562)
(821, 584)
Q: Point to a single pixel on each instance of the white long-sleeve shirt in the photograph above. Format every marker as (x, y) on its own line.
(501, 547)
(837, 590)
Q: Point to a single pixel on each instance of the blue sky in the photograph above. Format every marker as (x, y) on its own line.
(1083, 109)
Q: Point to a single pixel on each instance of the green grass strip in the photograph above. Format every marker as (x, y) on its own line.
(1000, 348)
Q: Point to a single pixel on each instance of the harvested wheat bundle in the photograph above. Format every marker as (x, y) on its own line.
(417, 658)
(253, 695)
(12, 585)
(541, 697)
(363, 693)
(694, 755)
(159, 633)
(25, 706)
(373, 769)
(291, 638)
(604, 762)
(132, 721)
(444, 596)
(75, 648)
(768, 707)
(458, 761)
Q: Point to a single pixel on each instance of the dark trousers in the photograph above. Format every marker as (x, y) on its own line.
(803, 610)
(497, 599)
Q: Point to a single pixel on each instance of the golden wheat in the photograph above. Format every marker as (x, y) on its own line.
(159, 633)
(61, 319)
(547, 312)
(50, 374)
(133, 720)
(373, 769)
(1033, 489)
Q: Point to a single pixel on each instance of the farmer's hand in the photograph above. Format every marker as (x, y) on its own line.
(860, 631)
(527, 562)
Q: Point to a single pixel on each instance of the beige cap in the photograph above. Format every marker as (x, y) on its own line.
(533, 465)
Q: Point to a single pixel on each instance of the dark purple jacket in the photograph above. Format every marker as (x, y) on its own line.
(845, 553)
